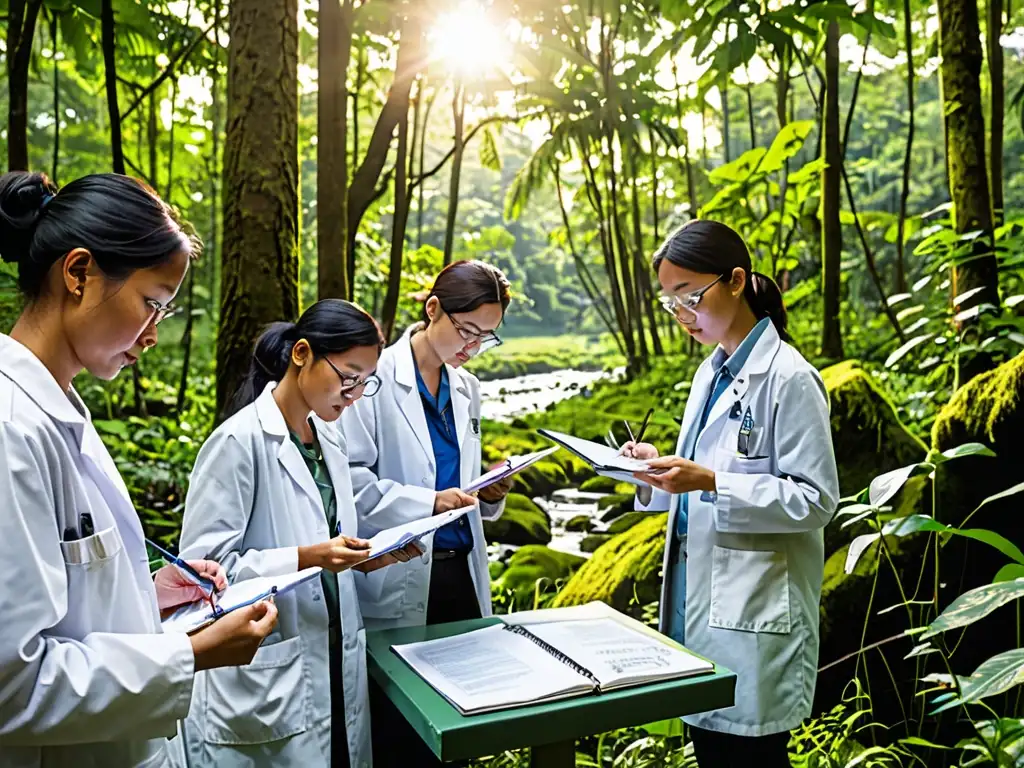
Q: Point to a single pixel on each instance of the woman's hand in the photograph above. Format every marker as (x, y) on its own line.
(641, 451)
(233, 639)
(403, 555)
(676, 475)
(495, 492)
(453, 498)
(175, 589)
(335, 555)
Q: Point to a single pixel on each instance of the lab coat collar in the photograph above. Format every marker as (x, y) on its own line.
(21, 366)
(273, 423)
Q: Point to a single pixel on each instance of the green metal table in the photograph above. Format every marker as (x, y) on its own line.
(549, 730)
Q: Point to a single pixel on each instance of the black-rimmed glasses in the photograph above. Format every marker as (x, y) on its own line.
(487, 339)
(689, 301)
(350, 383)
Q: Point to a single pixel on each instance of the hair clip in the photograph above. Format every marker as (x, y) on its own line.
(46, 201)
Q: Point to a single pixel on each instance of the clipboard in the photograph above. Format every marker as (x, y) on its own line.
(513, 465)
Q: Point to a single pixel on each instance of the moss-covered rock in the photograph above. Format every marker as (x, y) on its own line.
(580, 524)
(523, 522)
(541, 479)
(625, 572)
(615, 505)
(594, 541)
(531, 564)
(599, 484)
(988, 409)
(624, 522)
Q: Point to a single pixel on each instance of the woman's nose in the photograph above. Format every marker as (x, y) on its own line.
(149, 336)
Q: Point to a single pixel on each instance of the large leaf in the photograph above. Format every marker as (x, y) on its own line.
(905, 349)
(887, 485)
(739, 169)
(970, 449)
(490, 157)
(975, 605)
(997, 675)
(786, 144)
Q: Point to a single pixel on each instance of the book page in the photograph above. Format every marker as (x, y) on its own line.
(601, 456)
(491, 668)
(617, 655)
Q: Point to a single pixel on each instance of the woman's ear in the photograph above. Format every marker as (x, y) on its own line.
(738, 281)
(301, 352)
(76, 270)
(433, 308)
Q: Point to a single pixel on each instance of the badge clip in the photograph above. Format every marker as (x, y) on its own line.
(746, 427)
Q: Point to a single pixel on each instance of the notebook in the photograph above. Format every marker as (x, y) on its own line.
(604, 460)
(191, 618)
(400, 536)
(513, 465)
(512, 665)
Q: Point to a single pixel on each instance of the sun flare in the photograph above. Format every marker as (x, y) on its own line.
(468, 41)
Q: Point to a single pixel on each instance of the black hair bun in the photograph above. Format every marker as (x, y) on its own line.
(22, 195)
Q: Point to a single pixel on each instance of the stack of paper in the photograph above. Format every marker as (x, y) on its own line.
(603, 460)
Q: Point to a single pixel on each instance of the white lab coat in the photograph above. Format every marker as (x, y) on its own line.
(393, 472)
(251, 504)
(755, 553)
(87, 678)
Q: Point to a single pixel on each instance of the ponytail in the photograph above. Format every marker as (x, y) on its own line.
(713, 248)
(329, 326)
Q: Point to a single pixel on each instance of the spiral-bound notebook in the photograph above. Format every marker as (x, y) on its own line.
(505, 666)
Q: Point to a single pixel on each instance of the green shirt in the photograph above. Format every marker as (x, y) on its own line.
(314, 459)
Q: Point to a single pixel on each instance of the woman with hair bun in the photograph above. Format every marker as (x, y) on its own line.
(87, 678)
(751, 487)
(271, 494)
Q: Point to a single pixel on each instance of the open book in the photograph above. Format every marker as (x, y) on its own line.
(513, 465)
(191, 618)
(511, 665)
(603, 460)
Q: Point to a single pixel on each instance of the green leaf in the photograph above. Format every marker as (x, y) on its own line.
(994, 676)
(490, 157)
(887, 485)
(786, 144)
(905, 348)
(975, 605)
(739, 169)
(112, 427)
(967, 449)
(1009, 573)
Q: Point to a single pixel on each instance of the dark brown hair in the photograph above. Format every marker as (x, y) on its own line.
(463, 286)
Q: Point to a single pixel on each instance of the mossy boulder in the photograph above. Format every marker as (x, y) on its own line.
(523, 522)
(531, 564)
(580, 524)
(624, 522)
(599, 484)
(615, 505)
(594, 541)
(541, 479)
(625, 572)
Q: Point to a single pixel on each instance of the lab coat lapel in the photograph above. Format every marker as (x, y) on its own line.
(460, 403)
(273, 423)
(333, 446)
(407, 395)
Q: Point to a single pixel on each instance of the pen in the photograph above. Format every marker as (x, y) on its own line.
(643, 427)
(188, 570)
(629, 431)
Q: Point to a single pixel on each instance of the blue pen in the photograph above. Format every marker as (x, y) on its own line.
(189, 571)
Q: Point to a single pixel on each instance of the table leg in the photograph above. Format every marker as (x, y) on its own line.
(561, 754)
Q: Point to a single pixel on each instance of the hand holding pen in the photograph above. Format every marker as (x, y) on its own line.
(184, 582)
(636, 448)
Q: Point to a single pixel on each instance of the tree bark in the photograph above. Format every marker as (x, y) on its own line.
(170, 144)
(362, 190)
(21, 29)
(901, 219)
(398, 226)
(997, 99)
(334, 48)
(750, 115)
(726, 138)
(259, 275)
(55, 39)
(110, 76)
(421, 200)
(831, 232)
(459, 117)
(960, 74)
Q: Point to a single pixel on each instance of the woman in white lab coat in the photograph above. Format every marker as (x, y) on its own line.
(417, 443)
(271, 494)
(751, 486)
(87, 679)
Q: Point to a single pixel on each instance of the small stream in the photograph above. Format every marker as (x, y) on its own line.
(505, 399)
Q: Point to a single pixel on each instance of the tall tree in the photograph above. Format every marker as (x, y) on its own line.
(21, 30)
(459, 119)
(259, 272)
(901, 221)
(107, 43)
(960, 73)
(831, 232)
(334, 48)
(997, 102)
(399, 222)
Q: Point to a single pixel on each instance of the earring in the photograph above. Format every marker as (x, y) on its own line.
(78, 292)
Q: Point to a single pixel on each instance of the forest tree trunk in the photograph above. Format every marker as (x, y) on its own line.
(459, 117)
(831, 233)
(110, 78)
(55, 38)
(960, 73)
(399, 221)
(901, 221)
(334, 47)
(259, 273)
(21, 30)
(997, 96)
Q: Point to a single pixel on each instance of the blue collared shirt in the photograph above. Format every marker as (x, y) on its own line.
(726, 369)
(445, 442)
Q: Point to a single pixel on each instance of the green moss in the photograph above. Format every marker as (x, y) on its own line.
(541, 479)
(624, 522)
(615, 505)
(523, 522)
(985, 410)
(594, 542)
(531, 564)
(625, 572)
(599, 484)
(579, 523)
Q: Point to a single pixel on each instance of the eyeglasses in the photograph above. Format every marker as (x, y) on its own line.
(672, 304)
(350, 383)
(161, 312)
(487, 339)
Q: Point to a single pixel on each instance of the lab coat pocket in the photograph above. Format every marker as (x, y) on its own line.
(749, 591)
(95, 574)
(262, 702)
(744, 465)
(92, 551)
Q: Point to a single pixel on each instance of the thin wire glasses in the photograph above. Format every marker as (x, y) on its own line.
(487, 339)
(350, 383)
(689, 301)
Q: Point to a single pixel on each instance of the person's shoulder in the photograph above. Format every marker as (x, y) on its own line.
(791, 367)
